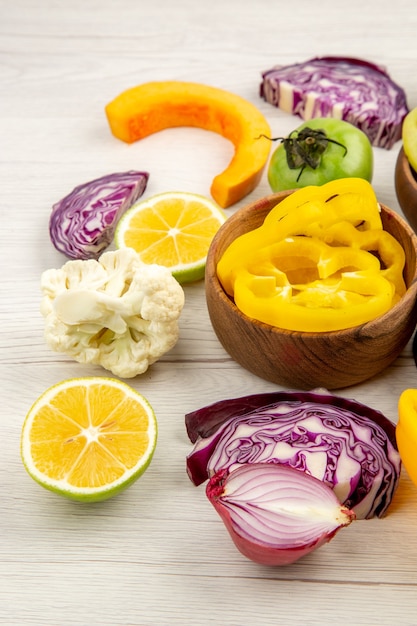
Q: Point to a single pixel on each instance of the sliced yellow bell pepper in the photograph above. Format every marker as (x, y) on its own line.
(406, 431)
(379, 242)
(308, 211)
(303, 284)
(321, 261)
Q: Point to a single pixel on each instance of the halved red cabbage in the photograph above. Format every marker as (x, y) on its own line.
(82, 224)
(354, 90)
(346, 444)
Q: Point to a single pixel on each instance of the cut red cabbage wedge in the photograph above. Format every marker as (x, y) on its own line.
(343, 443)
(82, 224)
(354, 90)
(274, 514)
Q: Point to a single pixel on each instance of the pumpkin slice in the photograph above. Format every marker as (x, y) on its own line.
(151, 107)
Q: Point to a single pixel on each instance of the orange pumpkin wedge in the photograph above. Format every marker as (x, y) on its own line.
(151, 107)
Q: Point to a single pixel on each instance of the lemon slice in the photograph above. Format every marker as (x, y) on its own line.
(88, 438)
(409, 137)
(174, 229)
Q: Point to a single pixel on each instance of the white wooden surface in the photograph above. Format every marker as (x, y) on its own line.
(158, 554)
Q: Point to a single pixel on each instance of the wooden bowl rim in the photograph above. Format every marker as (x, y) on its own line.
(403, 167)
(212, 281)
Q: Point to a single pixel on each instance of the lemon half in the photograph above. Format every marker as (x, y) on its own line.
(88, 438)
(174, 229)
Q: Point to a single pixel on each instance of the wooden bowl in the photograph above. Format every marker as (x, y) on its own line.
(406, 189)
(307, 360)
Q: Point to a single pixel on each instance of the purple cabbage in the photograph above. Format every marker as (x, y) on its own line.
(82, 224)
(354, 90)
(345, 444)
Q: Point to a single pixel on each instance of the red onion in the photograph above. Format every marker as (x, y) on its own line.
(354, 90)
(274, 514)
(82, 224)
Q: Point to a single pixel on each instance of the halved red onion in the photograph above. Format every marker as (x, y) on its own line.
(82, 224)
(275, 514)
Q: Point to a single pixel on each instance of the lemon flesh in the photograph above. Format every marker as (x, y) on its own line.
(88, 438)
(173, 229)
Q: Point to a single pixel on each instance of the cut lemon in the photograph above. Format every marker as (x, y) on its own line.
(409, 137)
(174, 229)
(88, 438)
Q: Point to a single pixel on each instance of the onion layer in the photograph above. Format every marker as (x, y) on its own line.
(274, 514)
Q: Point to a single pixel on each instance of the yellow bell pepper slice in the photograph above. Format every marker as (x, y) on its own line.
(308, 211)
(406, 431)
(381, 243)
(321, 261)
(303, 284)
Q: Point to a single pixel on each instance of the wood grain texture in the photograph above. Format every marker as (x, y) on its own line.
(158, 555)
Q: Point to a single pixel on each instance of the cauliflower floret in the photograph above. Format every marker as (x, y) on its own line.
(116, 312)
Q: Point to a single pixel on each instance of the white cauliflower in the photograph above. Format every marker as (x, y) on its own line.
(115, 311)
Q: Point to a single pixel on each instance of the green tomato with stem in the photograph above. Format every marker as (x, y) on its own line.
(318, 151)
